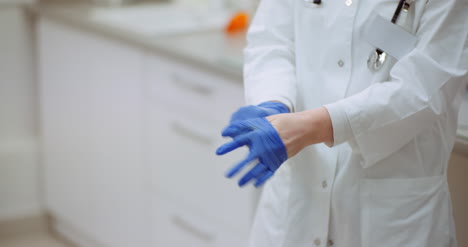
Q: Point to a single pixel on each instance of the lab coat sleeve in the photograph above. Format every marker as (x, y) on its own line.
(422, 85)
(269, 65)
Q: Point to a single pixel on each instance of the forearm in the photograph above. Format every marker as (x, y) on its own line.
(301, 129)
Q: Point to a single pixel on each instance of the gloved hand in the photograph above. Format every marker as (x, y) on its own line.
(264, 144)
(262, 110)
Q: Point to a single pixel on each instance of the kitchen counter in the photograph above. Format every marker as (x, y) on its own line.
(212, 50)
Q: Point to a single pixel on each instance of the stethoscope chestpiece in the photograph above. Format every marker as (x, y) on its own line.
(376, 60)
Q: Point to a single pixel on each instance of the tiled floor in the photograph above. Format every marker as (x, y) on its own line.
(35, 239)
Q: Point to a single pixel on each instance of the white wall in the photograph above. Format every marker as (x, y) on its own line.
(18, 131)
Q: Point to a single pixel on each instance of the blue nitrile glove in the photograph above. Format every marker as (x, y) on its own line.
(262, 110)
(264, 144)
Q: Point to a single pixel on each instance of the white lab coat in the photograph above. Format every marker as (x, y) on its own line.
(383, 182)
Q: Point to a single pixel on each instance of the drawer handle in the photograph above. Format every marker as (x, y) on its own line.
(191, 86)
(193, 230)
(191, 134)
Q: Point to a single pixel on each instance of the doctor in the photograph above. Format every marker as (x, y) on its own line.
(361, 98)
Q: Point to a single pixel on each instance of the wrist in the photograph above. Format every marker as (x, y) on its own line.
(318, 126)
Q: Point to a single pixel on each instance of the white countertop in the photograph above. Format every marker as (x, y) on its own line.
(211, 49)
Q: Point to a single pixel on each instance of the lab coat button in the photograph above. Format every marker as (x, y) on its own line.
(330, 242)
(317, 242)
(340, 63)
(348, 2)
(324, 184)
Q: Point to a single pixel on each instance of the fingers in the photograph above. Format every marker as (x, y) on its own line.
(257, 134)
(255, 172)
(234, 144)
(237, 128)
(232, 131)
(264, 178)
(248, 112)
(235, 169)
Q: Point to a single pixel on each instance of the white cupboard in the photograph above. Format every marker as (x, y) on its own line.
(129, 140)
(90, 100)
(187, 110)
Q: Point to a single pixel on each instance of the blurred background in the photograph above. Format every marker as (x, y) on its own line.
(110, 112)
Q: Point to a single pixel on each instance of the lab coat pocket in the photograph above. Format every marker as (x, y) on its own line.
(405, 212)
(392, 39)
(408, 17)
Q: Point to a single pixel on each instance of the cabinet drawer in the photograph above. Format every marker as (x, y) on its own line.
(183, 165)
(185, 87)
(175, 225)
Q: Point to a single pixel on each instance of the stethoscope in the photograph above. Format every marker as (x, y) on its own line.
(378, 57)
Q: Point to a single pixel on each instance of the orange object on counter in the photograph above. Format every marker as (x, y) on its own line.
(239, 22)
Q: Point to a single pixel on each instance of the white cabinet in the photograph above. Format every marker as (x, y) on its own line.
(176, 226)
(90, 99)
(187, 110)
(129, 145)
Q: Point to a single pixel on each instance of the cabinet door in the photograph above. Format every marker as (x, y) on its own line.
(186, 88)
(184, 132)
(185, 168)
(175, 226)
(90, 98)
